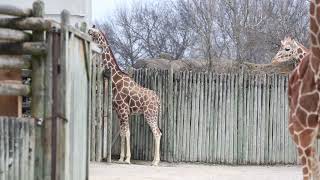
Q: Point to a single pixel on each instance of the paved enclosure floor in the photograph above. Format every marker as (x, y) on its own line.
(182, 171)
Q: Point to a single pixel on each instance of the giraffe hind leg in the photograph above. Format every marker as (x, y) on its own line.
(153, 124)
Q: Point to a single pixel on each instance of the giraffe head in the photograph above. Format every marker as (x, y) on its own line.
(109, 60)
(97, 37)
(290, 49)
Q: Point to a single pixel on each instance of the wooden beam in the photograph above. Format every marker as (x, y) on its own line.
(42, 151)
(15, 62)
(108, 75)
(32, 48)
(11, 89)
(12, 35)
(30, 23)
(14, 11)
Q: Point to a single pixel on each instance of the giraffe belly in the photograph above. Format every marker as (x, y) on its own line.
(135, 111)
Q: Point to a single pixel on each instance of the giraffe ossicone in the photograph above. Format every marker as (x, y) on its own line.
(129, 98)
(304, 100)
(290, 49)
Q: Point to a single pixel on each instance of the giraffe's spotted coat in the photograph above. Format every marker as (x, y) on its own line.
(304, 100)
(129, 98)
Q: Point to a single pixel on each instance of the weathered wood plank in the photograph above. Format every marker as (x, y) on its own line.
(93, 109)
(170, 116)
(99, 114)
(14, 11)
(110, 115)
(10, 89)
(224, 138)
(226, 114)
(11, 149)
(205, 111)
(32, 48)
(2, 149)
(15, 62)
(12, 35)
(248, 119)
(200, 119)
(30, 23)
(220, 120)
(216, 116)
(196, 118)
(233, 119)
(179, 120)
(210, 119)
(6, 147)
(257, 118)
(16, 158)
(186, 124)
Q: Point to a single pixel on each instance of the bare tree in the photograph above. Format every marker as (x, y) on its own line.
(148, 31)
(242, 30)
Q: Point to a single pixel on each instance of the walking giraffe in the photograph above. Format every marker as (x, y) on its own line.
(290, 49)
(304, 100)
(129, 98)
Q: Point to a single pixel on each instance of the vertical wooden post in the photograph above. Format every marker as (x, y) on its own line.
(109, 115)
(61, 130)
(170, 116)
(38, 91)
(99, 112)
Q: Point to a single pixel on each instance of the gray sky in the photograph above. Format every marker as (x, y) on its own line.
(104, 8)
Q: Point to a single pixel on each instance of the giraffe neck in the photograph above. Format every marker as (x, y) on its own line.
(314, 27)
(302, 51)
(108, 57)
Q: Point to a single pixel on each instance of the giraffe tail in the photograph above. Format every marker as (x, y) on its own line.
(159, 115)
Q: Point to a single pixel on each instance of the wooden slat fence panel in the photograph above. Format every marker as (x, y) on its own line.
(238, 118)
(17, 146)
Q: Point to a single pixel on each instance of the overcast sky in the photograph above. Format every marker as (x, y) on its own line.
(103, 8)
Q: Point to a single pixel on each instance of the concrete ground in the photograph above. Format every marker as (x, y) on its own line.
(140, 170)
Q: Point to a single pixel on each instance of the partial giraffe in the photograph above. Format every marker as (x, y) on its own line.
(129, 98)
(290, 50)
(304, 100)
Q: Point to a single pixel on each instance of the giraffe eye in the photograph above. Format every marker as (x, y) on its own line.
(287, 49)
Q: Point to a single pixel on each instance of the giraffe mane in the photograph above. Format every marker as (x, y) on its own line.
(111, 52)
(302, 46)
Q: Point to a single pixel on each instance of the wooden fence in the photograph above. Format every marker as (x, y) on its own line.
(233, 118)
(101, 111)
(17, 147)
(60, 59)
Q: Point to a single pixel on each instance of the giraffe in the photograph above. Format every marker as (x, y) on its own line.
(304, 100)
(129, 98)
(290, 49)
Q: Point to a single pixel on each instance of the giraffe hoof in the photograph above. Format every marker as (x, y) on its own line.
(155, 163)
(127, 161)
(120, 160)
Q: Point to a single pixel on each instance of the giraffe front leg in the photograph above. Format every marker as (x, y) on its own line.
(122, 148)
(128, 155)
(124, 133)
(156, 159)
